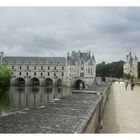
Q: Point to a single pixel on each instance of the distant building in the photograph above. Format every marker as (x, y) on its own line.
(78, 69)
(131, 65)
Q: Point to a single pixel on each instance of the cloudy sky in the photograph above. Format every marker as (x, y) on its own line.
(109, 33)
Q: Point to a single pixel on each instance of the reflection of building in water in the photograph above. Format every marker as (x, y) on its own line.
(24, 97)
(78, 69)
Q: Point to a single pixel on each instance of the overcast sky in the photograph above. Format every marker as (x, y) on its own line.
(109, 33)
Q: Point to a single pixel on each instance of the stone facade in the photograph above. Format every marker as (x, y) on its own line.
(79, 69)
(131, 66)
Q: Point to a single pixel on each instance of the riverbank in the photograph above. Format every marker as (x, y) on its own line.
(78, 113)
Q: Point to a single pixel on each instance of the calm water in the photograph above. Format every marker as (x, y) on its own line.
(17, 98)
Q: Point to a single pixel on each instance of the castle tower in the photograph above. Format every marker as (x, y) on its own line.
(1, 57)
(131, 65)
(135, 65)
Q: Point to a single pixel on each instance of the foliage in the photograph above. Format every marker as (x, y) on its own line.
(114, 69)
(127, 76)
(5, 76)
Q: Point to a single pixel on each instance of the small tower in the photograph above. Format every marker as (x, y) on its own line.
(1, 56)
(131, 65)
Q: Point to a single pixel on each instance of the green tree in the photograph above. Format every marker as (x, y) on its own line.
(114, 69)
(127, 76)
(5, 76)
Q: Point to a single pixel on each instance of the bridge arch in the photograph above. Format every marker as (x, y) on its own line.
(48, 82)
(20, 81)
(35, 81)
(79, 84)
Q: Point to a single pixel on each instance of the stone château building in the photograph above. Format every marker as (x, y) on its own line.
(131, 65)
(77, 69)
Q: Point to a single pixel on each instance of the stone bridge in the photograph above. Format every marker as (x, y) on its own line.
(49, 81)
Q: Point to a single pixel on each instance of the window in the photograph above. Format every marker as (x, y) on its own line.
(27, 67)
(55, 68)
(82, 68)
(42, 68)
(54, 74)
(35, 67)
(20, 67)
(62, 68)
(34, 73)
(88, 70)
(41, 74)
(81, 74)
(19, 73)
(48, 74)
(27, 73)
(62, 74)
(48, 68)
(12, 67)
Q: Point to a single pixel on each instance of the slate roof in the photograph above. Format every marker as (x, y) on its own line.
(34, 60)
(80, 57)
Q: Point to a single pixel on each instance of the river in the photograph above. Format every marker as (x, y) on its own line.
(18, 98)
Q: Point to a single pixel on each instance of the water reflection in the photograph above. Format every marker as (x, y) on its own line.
(17, 98)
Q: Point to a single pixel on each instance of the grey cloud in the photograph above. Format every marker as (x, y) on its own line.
(46, 31)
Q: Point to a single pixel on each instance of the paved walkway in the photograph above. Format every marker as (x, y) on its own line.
(122, 112)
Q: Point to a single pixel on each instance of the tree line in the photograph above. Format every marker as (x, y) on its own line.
(114, 69)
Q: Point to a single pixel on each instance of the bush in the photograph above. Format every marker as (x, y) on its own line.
(127, 76)
(5, 76)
